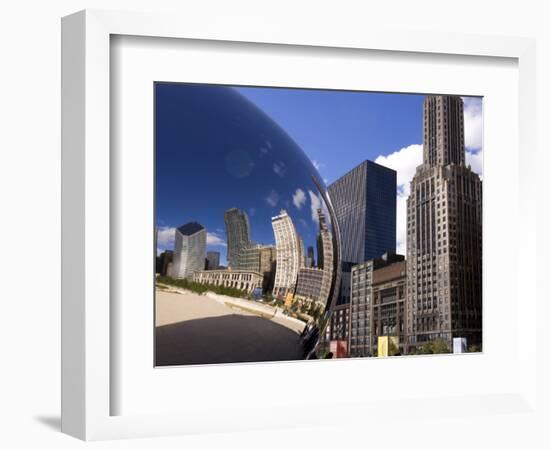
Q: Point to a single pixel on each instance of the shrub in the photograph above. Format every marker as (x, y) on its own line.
(201, 288)
(434, 347)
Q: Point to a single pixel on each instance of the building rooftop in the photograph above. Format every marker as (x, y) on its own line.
(389, 272)
(190, 228)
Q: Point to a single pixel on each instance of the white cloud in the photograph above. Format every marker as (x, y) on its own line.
(315, 205)
(215, 240)
(473, 122)
(272, 199)
(317, 164)
(165, 237)
(475, 160)
(299, 198)
(403, 161)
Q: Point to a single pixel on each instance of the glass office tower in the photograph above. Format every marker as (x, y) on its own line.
(364, 202)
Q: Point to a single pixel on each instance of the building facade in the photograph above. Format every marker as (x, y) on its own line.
(238, 279)
(327, 251)
(444, 231)
(288, 254)
(237, 228)
(248, 258)
(164, 260)
(364, 202)
(361, 303)
(387, 314)
(308, 287)
(189, 250)
(268, 265)
(258, 258)
(213, 259)
(338, 327)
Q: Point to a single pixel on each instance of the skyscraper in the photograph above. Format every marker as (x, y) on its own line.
(288, 254)
(326, 255)
(364, 202)
(189, 250)
(213, 259)
(444, 233)
(237, 228)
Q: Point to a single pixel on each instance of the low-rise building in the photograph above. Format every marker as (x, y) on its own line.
(388, 304)
(238, 279)
(338, 328)
(361, 333)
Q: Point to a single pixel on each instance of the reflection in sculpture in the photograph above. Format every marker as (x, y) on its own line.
(226, 167)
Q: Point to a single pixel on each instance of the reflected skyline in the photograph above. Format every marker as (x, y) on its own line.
(253, 171)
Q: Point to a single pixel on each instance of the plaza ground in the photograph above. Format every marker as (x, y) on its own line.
(210, 329)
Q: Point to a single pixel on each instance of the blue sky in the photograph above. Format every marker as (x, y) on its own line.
(337, 130)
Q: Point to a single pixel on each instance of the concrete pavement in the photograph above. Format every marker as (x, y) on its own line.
(197, 329)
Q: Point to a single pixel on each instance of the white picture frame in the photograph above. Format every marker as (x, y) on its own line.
(87, 357)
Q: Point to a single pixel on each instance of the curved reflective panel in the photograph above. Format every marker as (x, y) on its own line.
(247, 243)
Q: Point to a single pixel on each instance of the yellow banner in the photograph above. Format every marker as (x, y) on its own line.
(288, 300)
(382, 345)
(388, 345)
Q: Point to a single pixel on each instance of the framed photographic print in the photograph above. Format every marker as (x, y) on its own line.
(249, 216)
(269, 261)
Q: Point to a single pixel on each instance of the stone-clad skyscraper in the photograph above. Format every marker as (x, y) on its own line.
(289, 257)
(444, 233)
(237, 228)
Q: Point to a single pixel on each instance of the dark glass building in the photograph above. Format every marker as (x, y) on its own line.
(364, 203)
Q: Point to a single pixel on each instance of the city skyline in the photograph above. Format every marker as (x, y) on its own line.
(308, 116)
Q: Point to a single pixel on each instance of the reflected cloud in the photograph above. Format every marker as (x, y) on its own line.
(272, 199)
(279, 168)
(299, 198)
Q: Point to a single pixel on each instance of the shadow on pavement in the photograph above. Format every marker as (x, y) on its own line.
(225, 339)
